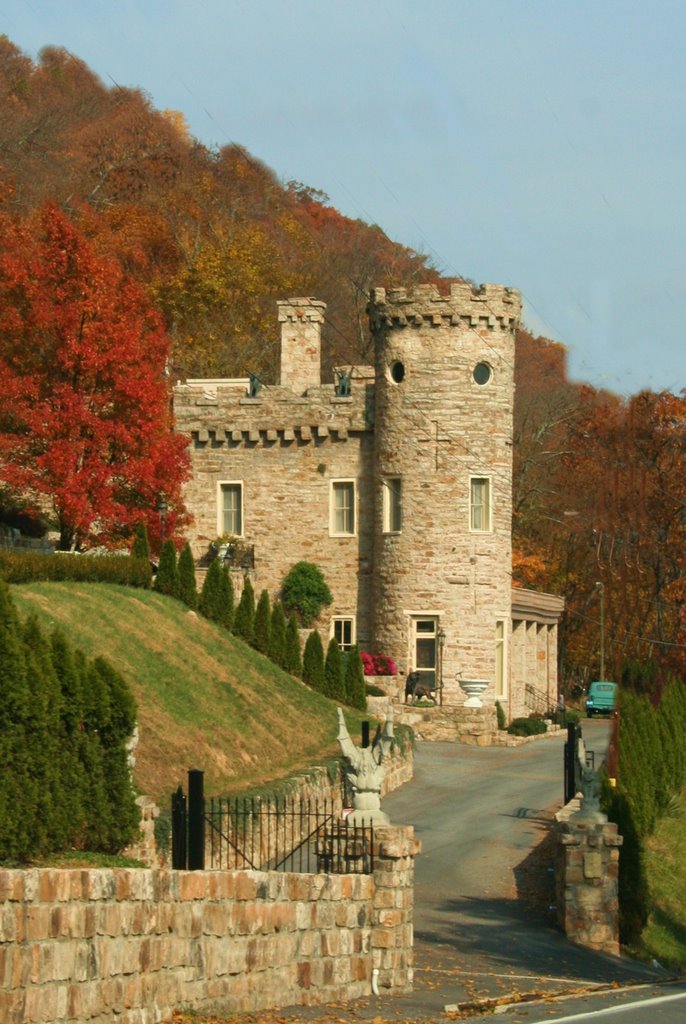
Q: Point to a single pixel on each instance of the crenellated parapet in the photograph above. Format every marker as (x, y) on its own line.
(218, 414)
(488, 306)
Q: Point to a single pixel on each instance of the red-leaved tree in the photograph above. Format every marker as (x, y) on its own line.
(85, 431)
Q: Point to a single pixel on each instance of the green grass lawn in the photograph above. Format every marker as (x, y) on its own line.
(664, 937)
(205, 699)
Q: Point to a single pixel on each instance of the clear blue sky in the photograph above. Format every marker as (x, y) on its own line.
(534, 143)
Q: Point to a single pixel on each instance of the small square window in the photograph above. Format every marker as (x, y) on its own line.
(480, 504)
(342, 522)
(231, 509)
(392, 504)
(343, 630)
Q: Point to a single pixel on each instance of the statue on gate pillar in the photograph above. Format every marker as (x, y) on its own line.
(365, 770)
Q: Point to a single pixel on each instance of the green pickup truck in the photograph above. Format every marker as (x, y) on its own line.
(602, 699)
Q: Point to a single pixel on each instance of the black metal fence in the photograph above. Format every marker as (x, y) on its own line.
(284, 834)
(576, 758)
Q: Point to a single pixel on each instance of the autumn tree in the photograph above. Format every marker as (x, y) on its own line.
(84, 420)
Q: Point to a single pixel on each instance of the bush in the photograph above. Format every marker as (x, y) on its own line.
(500, 714)
(167, 578)
(244, 619)
(141, 548)
(277, 636)
(374, 691)
(527, 727)
(262, 631)
(334, 680)
(304, 592)
(32, 567)
(188, 589)
(355, 692)
(64, 725)
(378, 665)
(313, 662)
(292, 658)
(216, 596)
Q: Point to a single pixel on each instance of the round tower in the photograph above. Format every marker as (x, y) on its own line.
(443, 482)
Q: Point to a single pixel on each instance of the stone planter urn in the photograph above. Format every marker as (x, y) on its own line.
(473, 688)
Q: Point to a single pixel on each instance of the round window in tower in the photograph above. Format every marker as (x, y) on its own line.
(397, 372)
(482, 373)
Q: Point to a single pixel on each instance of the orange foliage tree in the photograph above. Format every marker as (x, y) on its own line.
(85, 432)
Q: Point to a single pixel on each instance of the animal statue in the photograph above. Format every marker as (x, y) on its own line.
(416, 690)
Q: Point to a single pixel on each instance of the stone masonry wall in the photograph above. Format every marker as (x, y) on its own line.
(92, 946)
(586, 875)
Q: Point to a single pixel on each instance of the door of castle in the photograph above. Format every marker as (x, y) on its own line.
(425, 650)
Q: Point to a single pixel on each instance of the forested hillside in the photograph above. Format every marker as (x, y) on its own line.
(138, 256)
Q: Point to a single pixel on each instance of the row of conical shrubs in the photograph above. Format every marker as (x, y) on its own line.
(262, 624)
(651, 773)
(64, 726)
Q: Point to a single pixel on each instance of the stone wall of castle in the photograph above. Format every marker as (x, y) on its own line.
(432, 419)
(441, 423)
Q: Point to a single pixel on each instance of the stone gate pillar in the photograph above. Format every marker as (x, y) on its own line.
(395, 848)
(587, 875)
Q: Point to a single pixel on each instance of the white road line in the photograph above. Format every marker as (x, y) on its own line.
(587, 1014)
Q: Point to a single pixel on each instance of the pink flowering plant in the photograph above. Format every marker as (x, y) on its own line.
(378, 665)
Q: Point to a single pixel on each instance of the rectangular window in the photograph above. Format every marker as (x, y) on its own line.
(343, 630)
(343, 508)
(480, 504)
(500, 680)
(231, 509)
(392, 504)
(425, 651)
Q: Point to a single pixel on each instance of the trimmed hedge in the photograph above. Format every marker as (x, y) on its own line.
(527, 727)
(32, 567)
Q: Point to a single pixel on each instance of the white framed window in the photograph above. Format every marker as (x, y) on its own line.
(501, 689)
(480, 504)
(230, 517)
(342, 512)
(392, 504)
(424, 650)
(343, 631)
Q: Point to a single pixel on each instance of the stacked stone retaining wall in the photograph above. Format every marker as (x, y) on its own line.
(93, 946)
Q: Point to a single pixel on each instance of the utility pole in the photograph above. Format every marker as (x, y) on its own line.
(600, 587)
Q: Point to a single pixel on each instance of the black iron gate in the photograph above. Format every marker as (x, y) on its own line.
(282, 834)
(576, 758)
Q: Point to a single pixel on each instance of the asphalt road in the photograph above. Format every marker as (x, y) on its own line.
(482, 929)
(484, 919)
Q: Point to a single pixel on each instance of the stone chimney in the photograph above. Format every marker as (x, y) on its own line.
(301, 321)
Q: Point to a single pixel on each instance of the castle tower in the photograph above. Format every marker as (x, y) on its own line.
(443, 482)
(301, 324)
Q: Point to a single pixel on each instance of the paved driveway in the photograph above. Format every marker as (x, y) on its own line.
(484, 924)
(484, 927)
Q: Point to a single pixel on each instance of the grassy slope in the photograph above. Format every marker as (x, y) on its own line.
(205, 699)
(665, 934)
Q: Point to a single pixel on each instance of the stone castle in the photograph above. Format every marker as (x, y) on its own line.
(396, 480)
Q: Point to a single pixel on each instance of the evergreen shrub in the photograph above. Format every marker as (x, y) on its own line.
(292, 660)
(277, 636)
(527, 727)
(244, 618)
(64, 726)
(262, 631)
(334, 679)
(305, 592)
(355, 692)
(188, 588)
(167, 578)
(313, 662)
